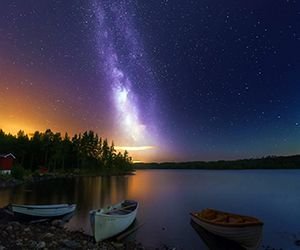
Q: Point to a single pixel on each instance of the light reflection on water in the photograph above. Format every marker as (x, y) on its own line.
(167, 196)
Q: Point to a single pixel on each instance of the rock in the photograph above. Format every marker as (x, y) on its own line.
(71, 244)
(57, 223)
(130, 245)
(90, 245)
(33, 244)
(2, 247)
(48, 235)
(52, 228)
(19, 243)
(41, 245)
(9, 228)
(27, 230)
(4, 234)
(15, 224)
(53, 244)
(117, 244)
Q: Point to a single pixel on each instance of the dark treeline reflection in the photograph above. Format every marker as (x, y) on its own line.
(51, 150)
(88, 193)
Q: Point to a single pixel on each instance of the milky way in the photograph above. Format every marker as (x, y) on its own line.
(120, 54)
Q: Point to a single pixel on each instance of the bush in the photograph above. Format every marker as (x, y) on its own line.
(4, 177)
(36, 173)
(18, 172)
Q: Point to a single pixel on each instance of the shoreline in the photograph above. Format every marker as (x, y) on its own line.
(50, 234)
(269, 162)
(12, 182)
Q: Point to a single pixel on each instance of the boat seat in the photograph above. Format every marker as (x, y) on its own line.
(120, 212)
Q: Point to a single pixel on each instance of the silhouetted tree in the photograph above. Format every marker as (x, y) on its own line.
(49, 149)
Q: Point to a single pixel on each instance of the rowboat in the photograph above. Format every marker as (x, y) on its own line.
(112, 220)
(245, 230)
(42, 211)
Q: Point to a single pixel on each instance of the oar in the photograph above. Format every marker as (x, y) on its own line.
(128, 232)
(122, 208)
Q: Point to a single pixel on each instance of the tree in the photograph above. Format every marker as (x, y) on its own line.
(49, 149)
(22, 147)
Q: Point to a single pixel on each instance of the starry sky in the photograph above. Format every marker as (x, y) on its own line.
(168, 80)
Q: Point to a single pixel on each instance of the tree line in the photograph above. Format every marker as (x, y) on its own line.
(268, 162)
(56, 152)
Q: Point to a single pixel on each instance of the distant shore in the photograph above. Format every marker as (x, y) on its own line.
(270, 162)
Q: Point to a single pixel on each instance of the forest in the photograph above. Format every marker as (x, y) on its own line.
(268, 162)
(86, 151)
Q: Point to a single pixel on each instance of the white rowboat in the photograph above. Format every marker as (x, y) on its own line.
(245, 230)
(112, 220)
(42, 211)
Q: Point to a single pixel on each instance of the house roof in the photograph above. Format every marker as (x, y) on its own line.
(3, 168)
(7, 155)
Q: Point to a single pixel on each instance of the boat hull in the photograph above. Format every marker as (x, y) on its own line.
(248, 237)
(105, 225)
(42, 211)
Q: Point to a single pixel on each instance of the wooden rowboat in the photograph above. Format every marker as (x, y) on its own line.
(245, 230)
(112, 220)
(41, 211)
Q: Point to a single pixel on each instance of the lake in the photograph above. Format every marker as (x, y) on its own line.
(167, 196)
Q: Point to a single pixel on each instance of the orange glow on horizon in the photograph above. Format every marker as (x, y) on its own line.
(132, 148)
(141, 153)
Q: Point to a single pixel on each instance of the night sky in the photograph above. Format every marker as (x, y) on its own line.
(168, 80)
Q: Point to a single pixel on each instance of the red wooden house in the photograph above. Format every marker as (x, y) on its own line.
(6, 163)
(43, 170)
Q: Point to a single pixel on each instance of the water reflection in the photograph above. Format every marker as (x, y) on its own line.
(214, 242)
(96, 192)
(88, 193)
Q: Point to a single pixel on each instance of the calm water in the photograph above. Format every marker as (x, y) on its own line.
(167, 196)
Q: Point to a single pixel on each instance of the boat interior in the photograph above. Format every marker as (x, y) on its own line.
(126, 207)
(219, 217)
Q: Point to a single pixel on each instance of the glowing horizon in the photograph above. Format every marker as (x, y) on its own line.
(134, 148)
